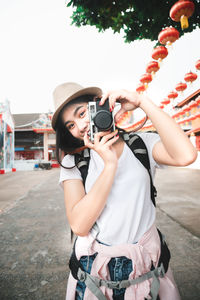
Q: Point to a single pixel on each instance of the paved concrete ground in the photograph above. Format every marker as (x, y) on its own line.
(35, 237)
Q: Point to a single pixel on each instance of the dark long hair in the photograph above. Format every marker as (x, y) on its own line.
(65, 142)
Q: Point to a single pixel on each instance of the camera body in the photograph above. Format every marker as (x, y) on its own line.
(101, 119)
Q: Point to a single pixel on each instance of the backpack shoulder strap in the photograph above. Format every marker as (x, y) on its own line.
(139, 149)
(82, 160)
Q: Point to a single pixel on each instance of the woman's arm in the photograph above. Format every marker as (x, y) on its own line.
(175, 148)
(84, 209)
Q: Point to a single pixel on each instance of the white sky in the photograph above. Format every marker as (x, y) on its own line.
(40, 49)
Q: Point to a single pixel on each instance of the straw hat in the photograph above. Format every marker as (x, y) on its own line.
(66, 92)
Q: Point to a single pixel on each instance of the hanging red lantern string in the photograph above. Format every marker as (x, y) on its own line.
(145, 79)
(168, 36)
(180, 87)
(152, 67)
(190, 77)
(197, 65)
(141, 88)
(181, 11)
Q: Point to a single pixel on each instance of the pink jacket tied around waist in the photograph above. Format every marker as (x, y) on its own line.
(142, 254)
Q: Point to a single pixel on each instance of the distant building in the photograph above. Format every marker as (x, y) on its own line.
(6, 138)
(34, 137)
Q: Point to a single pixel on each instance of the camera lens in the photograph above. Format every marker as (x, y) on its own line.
(103, 120)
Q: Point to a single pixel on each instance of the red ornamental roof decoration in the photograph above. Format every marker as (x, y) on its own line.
(192, 118)
(190, 77)
(168, 35)
(146, 78)
(172, 95)
(180, 87)
(159, 53)
(181, 11)
(193, 104)
(152, 67)
(176, 115)
(182, 112)
(197, 65)
(186, 108)
(197, 115)
(198, 100)
(141, 88)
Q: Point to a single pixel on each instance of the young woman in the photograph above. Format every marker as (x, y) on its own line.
(118, 248)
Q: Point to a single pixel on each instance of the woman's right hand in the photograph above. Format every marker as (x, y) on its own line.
(103, 145)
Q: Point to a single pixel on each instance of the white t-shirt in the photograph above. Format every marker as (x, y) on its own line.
(129, 211)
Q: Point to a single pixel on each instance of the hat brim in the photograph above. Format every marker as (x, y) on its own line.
(85, 91)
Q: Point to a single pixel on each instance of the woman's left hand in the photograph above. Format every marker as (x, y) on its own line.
(129, 101)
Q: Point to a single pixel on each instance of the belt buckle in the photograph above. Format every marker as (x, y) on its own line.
(114, 285)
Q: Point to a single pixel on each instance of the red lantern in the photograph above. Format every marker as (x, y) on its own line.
(180, 87)
(168, 35)
(159, 53)
(190, 77)
(141, 88)
(161, 106)
(146, 78)
(165, 101)
(152, 67)
(172, 95)
(197, 65)
(181, 11)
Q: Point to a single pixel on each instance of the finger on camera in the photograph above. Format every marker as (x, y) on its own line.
(105, 97)
(112, 101)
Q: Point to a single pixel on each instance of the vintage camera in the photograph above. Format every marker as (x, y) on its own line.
(101, 119)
